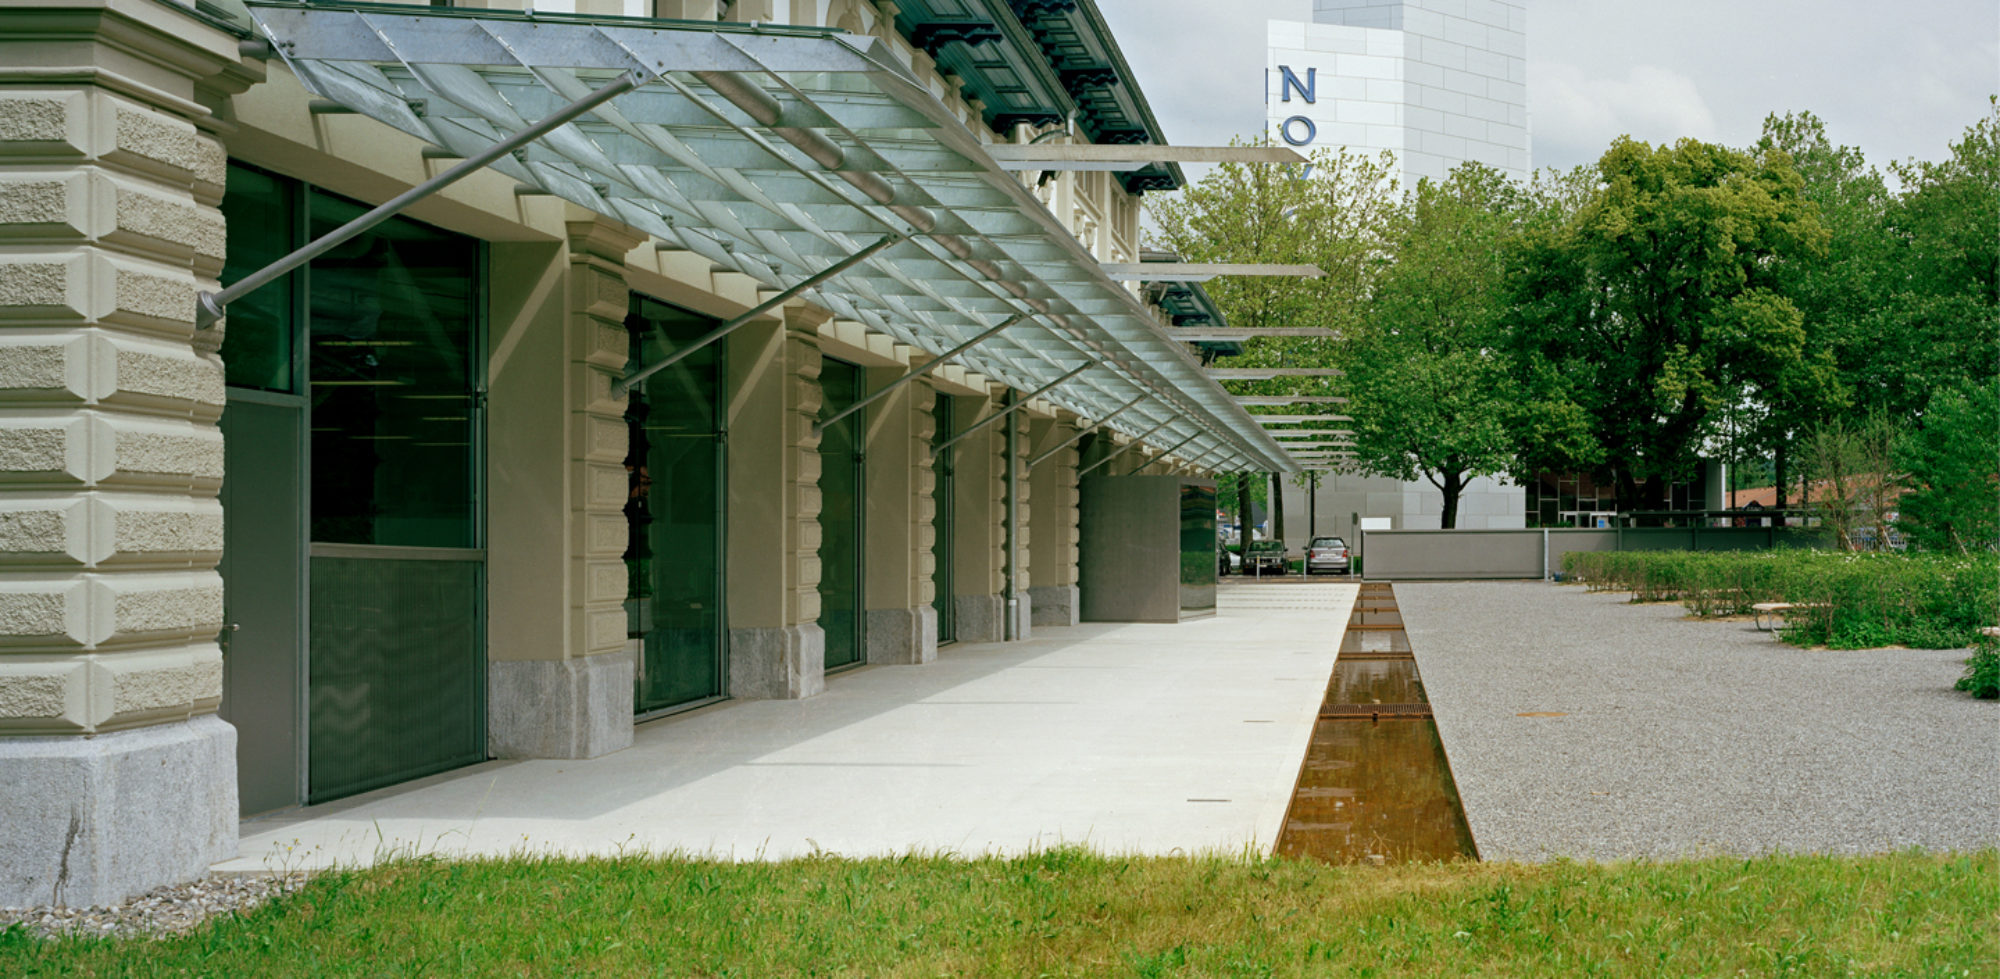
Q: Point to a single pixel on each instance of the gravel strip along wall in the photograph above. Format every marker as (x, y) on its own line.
(1680, 737)
(165, 911)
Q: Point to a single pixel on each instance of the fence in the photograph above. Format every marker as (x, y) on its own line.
(1406, 555)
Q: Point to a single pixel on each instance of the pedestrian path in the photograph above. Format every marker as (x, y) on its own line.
(1149, 739)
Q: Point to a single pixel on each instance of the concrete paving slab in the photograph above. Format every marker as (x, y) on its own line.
(1579, 725)
(1148, 739)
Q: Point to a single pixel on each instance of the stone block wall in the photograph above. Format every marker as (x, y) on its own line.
(115, 775)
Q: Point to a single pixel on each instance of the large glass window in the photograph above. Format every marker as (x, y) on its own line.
(674, 510)
(394, 390)
(257, 342)
(840, 501)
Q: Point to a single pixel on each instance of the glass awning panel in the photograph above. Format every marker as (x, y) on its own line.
(777, 152)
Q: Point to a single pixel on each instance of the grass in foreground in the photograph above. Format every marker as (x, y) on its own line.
(1070, 912)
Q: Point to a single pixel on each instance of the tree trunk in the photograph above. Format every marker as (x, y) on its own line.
(1778, 466)
(1453, 485)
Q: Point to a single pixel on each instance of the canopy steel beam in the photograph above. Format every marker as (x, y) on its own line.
(1266, 373)
(1298, 419)
(625, 385)
(1202, 271)
(1078, 437)
(1084, 156)
(1127, 447)
(1019, 403)
(210, 306)
(934, 364)
(1279, 400)
(1193, 334)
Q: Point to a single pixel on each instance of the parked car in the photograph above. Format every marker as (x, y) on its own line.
(1265, 557)
(1328, 554)
(1228, 562)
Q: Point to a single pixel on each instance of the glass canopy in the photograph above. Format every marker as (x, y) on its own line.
(777, 152)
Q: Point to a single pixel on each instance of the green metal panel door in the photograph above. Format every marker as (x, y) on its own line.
(263, 568)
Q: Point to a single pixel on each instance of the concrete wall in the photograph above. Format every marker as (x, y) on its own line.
(1130, 548)
(1472, 554)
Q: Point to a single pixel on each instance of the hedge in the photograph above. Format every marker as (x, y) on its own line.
(1864, 601)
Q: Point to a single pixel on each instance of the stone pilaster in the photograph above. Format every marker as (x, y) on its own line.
(1018, 604)
(902, 625)
(779, 652)
(115, 774)
(1054, 595)
(978, 538)
(576, 701)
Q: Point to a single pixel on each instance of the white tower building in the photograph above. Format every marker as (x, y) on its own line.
(1437, 82)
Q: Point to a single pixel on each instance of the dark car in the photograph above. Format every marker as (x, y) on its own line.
(1328, 554)
(1265, 557)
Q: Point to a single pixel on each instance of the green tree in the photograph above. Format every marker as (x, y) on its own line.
(1951, 466)
(1428, 386)
(1656, 303)
(1328, 214)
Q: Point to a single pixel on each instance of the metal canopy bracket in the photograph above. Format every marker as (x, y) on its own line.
(1078, 437)
(625, 385)
(935, 363)
(1127, 447)
(210, 306)
(1019, 403)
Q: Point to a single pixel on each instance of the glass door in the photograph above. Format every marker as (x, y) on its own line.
(674, 513)
(944, 494)
(841, 613)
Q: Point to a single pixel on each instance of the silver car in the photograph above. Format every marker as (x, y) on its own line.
(1326, 554)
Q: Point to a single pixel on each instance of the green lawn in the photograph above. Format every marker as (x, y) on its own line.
(1069, 912)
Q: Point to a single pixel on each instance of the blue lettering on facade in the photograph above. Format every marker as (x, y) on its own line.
(1285, 129)
(1289, 82)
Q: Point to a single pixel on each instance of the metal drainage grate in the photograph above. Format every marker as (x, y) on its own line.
(1343, 712)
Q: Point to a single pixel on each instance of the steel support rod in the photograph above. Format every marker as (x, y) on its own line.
(209, 306)
(1127, 447)
(935, 363)
(626, 384)
(1018, 404)
(1078, 437)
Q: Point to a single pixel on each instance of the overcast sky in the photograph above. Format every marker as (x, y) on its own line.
(1899, 79)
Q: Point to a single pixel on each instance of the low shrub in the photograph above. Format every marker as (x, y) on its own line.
(1982, 671)
(1854, 601)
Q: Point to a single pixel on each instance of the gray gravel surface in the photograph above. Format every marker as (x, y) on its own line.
(1683, 737)
(166, 911)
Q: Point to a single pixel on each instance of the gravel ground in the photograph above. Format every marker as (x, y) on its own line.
(1682, 737)
(166, 911)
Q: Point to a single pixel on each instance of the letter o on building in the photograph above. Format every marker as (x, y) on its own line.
(1285, 130)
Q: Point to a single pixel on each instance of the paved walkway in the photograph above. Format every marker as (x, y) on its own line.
(1131, 738)
(1683, 737)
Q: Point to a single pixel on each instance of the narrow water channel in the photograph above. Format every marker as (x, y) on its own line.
(1376, 786)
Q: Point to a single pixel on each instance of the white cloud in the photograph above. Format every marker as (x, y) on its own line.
(1570, 109)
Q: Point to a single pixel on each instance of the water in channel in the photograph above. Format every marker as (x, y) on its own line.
(1375, 786)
